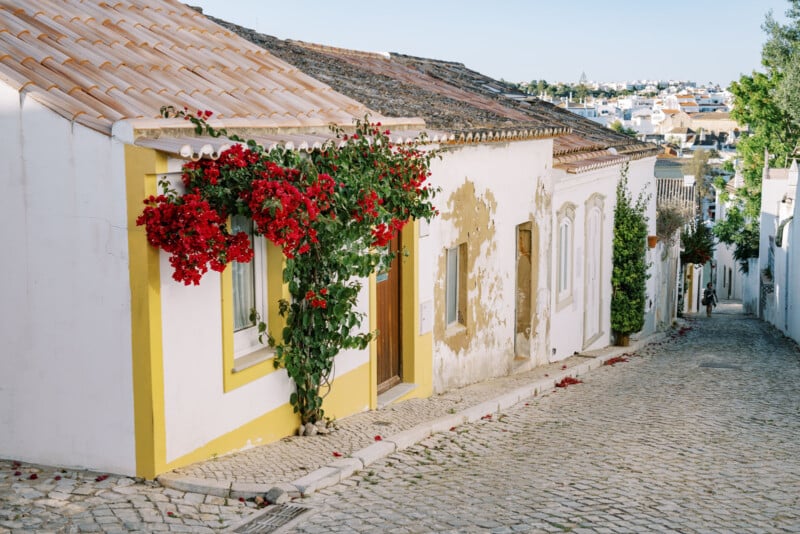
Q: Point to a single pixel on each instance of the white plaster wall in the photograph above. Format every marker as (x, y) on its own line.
(772, 192)
(509, 174)
(793, 239)
(65, 373)
(567, 330)
(750, 288)
(197, 410)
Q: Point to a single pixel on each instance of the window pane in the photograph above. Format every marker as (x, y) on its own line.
(244, 291)
(452, 285)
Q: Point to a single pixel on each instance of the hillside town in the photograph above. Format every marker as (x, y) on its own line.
(269, 285)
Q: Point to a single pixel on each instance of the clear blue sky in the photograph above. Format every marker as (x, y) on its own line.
(521, 40)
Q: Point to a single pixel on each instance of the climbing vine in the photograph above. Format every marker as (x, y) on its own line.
(332, 212)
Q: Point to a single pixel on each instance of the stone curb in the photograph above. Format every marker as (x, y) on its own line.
(343, 468)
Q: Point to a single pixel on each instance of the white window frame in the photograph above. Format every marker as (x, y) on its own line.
(565, 268)
(564, 258)
(245, 340)
(452, 281)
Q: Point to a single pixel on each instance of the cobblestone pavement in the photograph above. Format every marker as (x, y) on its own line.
(698, 433)
(293, 457)
(44, 499)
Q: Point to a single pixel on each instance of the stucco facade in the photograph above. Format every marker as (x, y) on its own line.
(66, 390)
(492, 196)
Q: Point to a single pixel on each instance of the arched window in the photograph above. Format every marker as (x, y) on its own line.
(565, 244)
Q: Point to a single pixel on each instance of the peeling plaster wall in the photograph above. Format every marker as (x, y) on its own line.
(487, 190)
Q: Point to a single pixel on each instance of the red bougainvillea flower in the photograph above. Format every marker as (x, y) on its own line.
(378, 438)
(337, 454)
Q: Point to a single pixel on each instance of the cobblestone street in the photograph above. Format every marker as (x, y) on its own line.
(698, 433)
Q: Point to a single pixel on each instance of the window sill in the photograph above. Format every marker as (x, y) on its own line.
(455, 329)
(252, 359)
(563, 302)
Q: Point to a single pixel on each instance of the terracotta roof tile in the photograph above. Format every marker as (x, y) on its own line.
(98, 62)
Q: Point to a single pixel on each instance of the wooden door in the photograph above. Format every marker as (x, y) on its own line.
(389, 343)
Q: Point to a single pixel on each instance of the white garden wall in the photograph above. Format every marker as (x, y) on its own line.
(65, 374)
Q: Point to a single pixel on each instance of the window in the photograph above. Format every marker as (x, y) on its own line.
(455, 285)
(245, 287)
(564, 244)
(249, 291)
(564, 257)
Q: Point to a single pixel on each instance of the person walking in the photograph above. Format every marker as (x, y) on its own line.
(709, 298)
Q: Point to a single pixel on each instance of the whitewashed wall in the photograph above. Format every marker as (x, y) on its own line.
(792, 237)
(567, 335)
(505, 178)
(772, 295)
(65, 372)
(197, 410)
(642, 179)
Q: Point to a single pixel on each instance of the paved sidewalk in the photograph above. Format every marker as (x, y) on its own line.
(298, 466)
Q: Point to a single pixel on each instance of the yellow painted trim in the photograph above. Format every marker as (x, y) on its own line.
(268, 428)
(142, 167)
(282, 421)
(373, 345)
(348, 394)
(276, 290)
(417, 349)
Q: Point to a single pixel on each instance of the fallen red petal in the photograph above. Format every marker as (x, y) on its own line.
(17, 473)
(34, 476)
(57, 477)
(378, 438)
(337, 454)
(568, 381)
(452, 428)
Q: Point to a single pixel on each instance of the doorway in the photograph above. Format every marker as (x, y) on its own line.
(389, 344)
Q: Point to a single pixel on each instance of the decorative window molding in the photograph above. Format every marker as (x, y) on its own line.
(565, 239)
